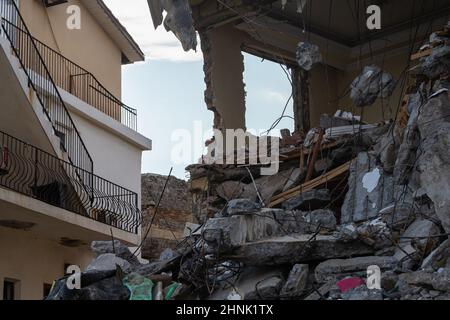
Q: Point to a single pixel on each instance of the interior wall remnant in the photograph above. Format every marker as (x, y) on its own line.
(301, 99)
(207, 69)
(324, 94)
(224, 69)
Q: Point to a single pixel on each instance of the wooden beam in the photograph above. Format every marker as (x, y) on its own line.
(314, 156)
(421, 54)
(323, 179)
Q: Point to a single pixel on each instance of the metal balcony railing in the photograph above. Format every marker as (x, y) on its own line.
(41, 81)
(40, 175)
(65, 73)
(81, 83)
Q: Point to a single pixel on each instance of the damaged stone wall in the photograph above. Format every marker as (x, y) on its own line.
(174, 211)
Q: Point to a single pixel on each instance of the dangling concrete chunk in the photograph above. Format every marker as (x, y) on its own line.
(371, 84)
(308, 55)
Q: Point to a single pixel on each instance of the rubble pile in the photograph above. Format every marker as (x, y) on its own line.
(357, 212)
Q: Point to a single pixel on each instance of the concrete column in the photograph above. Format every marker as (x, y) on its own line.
(301, 96)
(224, 68)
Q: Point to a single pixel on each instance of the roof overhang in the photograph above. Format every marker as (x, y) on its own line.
(130, 49)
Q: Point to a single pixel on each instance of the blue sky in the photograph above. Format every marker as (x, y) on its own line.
(167, 90)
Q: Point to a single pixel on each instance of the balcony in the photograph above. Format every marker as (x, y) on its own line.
(72, 78)
(35, 173)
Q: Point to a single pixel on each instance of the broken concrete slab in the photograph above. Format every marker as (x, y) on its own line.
(309, 200)
(296, 282)
(229, 190)
(298, 249)
(439, 258)
(434, 161)
(108, 261)
(324, 218)
(252, 284)
(236, 230)
(107, 289)
(336, 268)
(268, 186)
(328, 121)
(437, 280)
(296, 177)
(321, 292)
(241, 206)
(117, 248)
(414, 243)
(370, 190)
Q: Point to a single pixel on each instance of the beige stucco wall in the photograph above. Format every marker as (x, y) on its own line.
(35, 261)
(328, 89)
(90, 47)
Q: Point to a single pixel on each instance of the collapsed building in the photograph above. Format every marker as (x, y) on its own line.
(362, 187)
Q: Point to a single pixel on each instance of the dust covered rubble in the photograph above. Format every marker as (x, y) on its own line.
(366, 218)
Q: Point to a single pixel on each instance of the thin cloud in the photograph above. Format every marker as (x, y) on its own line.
(156, 44)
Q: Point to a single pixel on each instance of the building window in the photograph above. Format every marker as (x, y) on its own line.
(11, 289)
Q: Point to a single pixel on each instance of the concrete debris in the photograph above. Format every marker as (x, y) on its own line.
(437, 63)
(241, 206)
(417, 241)
(371, 84)
(323, 218)
(434, 161)
(308, 55)
(178, 20)
(309, 200)
(363, 293)
(299, 248)
(334, 269)
(438, 258)
(296, 281)
(109, 261)
(117, 248)
(367, 195)
(354, 205)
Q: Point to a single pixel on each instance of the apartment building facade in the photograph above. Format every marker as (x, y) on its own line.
(70, 153)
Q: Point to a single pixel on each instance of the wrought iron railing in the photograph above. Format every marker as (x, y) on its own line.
(81, 83)
(40, 175)
(41, 81)
(67, 74)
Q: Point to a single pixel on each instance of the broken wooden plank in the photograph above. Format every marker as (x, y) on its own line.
(315, 154)
(421, 54)
(278, 199)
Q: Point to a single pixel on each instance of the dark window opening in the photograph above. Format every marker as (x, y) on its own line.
(9, 290)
